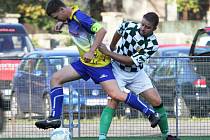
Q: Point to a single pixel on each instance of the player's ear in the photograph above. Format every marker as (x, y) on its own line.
(61, 9)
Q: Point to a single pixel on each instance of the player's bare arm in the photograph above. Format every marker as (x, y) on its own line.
(58, 26)
(118, 57)
(114, 41)
(99, 37)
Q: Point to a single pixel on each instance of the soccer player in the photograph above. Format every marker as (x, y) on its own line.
(87, 35)
(137, 43)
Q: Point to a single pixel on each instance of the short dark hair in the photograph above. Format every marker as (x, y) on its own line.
(53, 6)
(152, 17)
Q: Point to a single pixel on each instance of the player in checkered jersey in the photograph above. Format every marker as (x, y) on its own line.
(131, 46)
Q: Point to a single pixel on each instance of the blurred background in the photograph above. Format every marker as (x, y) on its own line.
(179, 19)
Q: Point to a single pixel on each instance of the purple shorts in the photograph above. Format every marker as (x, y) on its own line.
(97, 74)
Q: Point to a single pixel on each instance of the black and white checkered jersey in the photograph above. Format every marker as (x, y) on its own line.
(135, 45)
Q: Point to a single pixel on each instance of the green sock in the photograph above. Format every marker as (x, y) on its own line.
(106, 119)
(163, 124)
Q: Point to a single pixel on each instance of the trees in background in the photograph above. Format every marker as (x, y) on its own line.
(192, 9)
(33, 13)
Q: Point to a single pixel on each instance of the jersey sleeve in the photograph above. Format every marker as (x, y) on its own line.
(96, 27)
(87, 22)
(143, 54)
(122, 27)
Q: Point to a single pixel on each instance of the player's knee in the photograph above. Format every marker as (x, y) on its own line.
(113, 96)
(157, 102)
(112, 104)
(55, 79)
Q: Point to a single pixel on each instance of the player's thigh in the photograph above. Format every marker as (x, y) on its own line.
(114, 103)
(66, 74)
(112, 89)
(121, 84)
(152, 96)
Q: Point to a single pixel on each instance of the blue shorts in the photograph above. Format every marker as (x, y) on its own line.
(97, 74)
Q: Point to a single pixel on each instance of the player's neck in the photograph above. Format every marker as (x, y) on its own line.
(68, 10)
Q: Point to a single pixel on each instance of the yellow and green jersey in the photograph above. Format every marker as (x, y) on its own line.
(82, 29)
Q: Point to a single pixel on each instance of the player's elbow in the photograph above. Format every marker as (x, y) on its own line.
(128, 62)
(103, 30)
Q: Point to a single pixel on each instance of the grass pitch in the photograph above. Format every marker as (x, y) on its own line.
(116, 138)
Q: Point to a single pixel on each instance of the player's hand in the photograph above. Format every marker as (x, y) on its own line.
(102, 48)
(88, 56)
(58, 26)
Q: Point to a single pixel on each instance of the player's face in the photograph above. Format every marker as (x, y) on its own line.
(146, 27)
(60, 15)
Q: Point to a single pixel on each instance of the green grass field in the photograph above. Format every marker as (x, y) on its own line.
(116, 138)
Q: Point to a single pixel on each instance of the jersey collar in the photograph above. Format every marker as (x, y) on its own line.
(74, 9)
